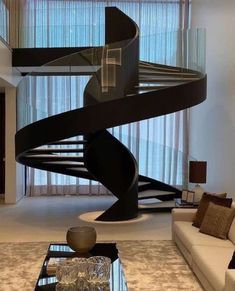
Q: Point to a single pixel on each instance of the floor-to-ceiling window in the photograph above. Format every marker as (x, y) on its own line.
(158, 143)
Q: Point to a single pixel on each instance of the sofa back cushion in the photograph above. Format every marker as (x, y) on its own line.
(203, 205)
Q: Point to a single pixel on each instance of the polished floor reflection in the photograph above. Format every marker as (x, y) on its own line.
(48, 218)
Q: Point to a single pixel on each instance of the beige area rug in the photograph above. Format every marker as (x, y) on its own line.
(148, 266)
(20, 264)
(156, 266)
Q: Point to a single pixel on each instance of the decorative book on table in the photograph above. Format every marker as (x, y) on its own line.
(180, 203)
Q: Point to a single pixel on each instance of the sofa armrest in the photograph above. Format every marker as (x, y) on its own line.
(183, 214)
(229, 280)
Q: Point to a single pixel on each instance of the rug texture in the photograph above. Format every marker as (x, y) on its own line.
(148, 266)
(156, 266)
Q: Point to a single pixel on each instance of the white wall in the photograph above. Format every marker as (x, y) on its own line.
(8, 75)
(212, 123)
(14, 176)
(9, 78)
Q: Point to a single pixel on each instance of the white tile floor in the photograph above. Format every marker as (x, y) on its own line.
(48, 218)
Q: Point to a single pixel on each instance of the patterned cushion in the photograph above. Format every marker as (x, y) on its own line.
(203, 205)
(217, 220)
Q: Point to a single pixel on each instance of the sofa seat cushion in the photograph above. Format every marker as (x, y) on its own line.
(213, 262)
(190, 236)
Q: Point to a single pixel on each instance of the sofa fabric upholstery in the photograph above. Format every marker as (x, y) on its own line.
(207, 255)
(231, 233)
(229, 280)
(213, 261)
(191, 236)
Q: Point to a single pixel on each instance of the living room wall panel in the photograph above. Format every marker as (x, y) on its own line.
(14, 178)
(212, 123)
(8, 75)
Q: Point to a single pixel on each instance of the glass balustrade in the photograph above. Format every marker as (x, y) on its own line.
(155, 160)
(183, 49)
(81, 35)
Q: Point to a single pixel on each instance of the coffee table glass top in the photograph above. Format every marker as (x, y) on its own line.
(117, 280)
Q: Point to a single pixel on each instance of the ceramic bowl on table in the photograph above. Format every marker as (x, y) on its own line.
(81, 239)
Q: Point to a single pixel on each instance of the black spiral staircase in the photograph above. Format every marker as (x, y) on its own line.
(121, 90)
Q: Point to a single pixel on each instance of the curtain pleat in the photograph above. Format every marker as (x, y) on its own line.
(159, 144)
(4, 21)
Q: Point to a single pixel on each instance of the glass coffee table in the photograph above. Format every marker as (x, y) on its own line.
(117, 282)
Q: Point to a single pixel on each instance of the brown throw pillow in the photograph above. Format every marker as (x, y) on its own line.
(203, 205)
(217, 220)
(221, 195)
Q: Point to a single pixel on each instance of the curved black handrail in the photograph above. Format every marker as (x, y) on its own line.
(107, 106)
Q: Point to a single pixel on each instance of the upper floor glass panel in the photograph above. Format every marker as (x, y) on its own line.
(50, 23)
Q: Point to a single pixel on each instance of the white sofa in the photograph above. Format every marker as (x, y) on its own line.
(207, 256)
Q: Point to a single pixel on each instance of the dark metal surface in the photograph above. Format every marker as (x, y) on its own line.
(35, 57)
(112, 164)
(105, 158)
(110, 114)
(157, 185)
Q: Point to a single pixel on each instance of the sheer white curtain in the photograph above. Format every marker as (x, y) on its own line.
(61, 23)
(4, 21)
(53, 95)
(156, 143)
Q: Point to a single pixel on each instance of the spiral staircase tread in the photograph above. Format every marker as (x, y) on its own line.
(150, 88)
(64, 142)
(141, 183)
(153, 193)
(168, 73)
(53, 157)
(163, 68)
(170, 79)
(148, 81)
(65, 163)
(84, 170)
(156, 205)
(55, 150)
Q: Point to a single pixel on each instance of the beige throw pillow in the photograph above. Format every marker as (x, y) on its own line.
(217, 220)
